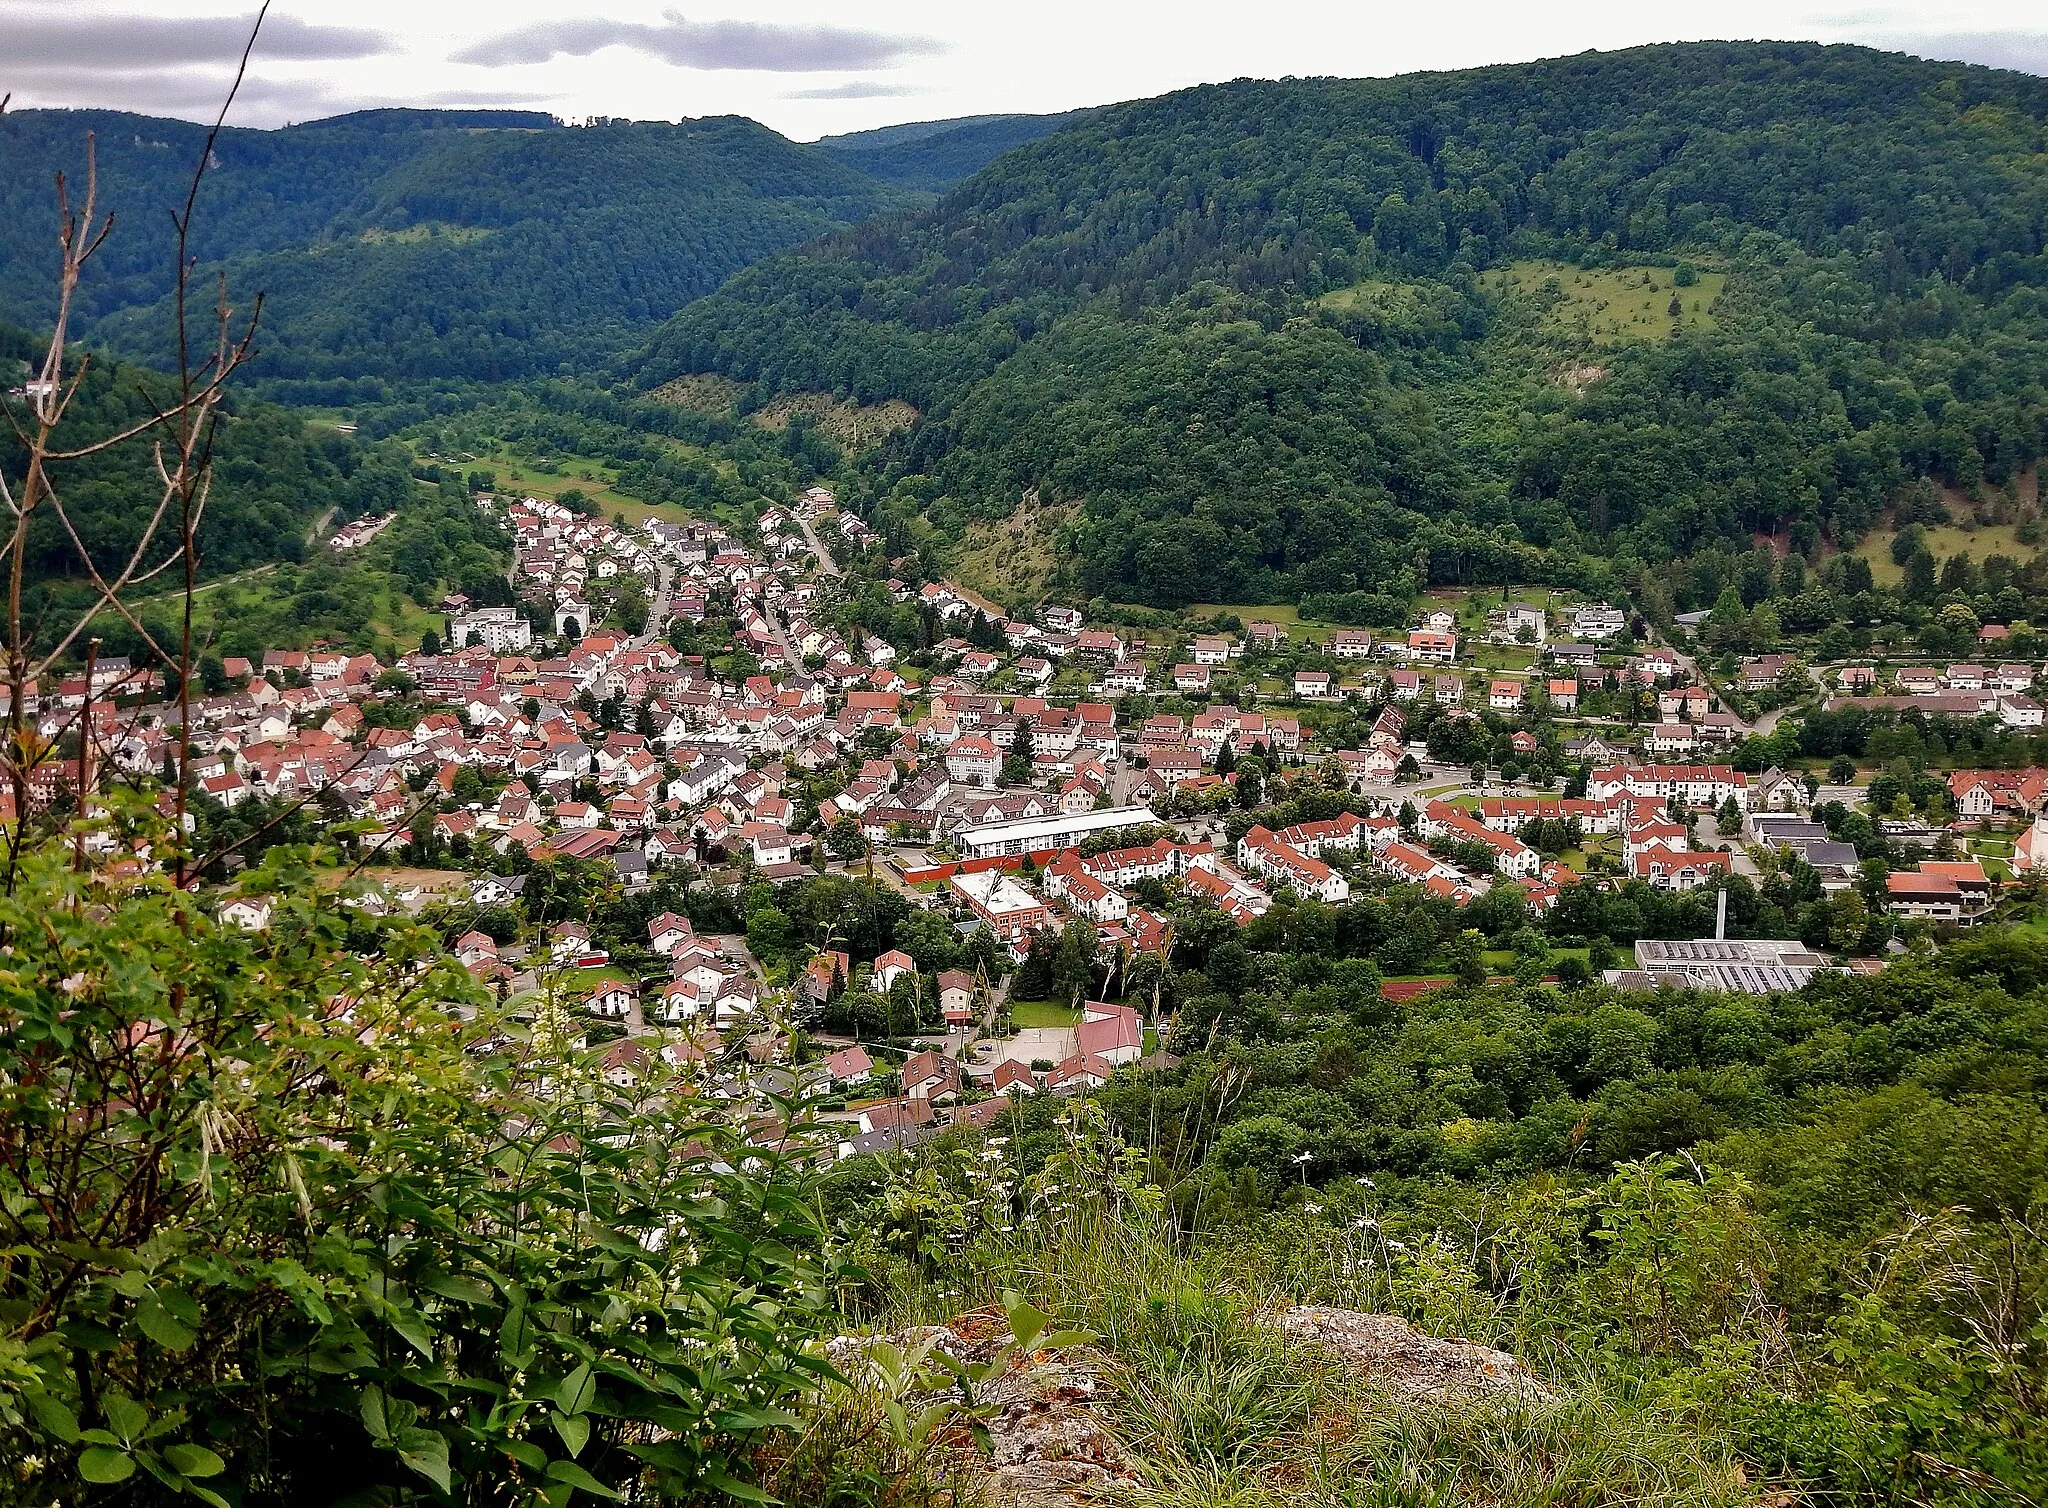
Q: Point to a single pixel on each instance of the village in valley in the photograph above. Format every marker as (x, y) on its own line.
(610, 791)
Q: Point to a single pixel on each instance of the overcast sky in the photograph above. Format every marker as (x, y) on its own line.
(810, 68)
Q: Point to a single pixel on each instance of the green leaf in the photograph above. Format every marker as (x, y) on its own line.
(54, 1417)
(207, 1496)
(156, 1322)
(462, 1290)
(734, 1487)
(525, 1452)
(576, 1391)
(87, 1336)
(574, 1430)
(128, 1417)
(157, 1467)
(98, 1256)
(194, 1460)
(98, 1463)
(750, 1416)
(373, 1415)
(1027, 1324)
(426, 1453)
(410, 1324)
(515, 1336)
(571, 1475)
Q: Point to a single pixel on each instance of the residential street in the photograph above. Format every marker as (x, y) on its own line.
(825, 561)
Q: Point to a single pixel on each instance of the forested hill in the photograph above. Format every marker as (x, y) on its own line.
(274, 477)
(408, 243)
(1308, 335)
(936, 154)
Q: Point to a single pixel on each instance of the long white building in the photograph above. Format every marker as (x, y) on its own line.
(1041, 834)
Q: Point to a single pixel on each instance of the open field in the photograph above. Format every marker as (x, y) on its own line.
(397, 875)
(856, 426)
(1042, 1013)
(1286, 614)
(1502, 960)
(1612, 304)
(593, 479)
(427, 230)
(394, 617)
(1943, 540)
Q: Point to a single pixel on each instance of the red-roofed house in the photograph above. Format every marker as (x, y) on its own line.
(1112, 1033)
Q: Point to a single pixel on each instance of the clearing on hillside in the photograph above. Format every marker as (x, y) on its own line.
(857, 426)
(1943, 540)
(1012, 560)
(519, 476)
(1609, 305)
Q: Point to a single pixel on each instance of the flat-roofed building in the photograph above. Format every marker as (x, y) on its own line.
(1042, 834)
(1743, 966)
(1012, 912)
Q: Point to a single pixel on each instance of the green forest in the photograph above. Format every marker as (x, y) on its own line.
(417, 246)
(935, 155)
(1139, 314)
(275, 475)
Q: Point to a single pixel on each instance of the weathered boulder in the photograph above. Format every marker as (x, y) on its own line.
(1049, 1446)
(1404, 1360)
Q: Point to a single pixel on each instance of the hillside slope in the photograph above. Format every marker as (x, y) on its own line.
(275, 478)
(934, 155)
(1256, 328)
(401, 243)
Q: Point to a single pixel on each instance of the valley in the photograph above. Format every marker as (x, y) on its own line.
(1311, 791)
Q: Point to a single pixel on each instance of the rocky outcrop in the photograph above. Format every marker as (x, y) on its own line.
(1405, 1361)
(1049, 1446)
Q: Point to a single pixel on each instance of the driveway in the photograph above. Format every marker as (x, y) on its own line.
(1710, 836)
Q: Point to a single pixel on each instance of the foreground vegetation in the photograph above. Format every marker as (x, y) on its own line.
(1754, 1245)
(286, 1226)
(295, 1216)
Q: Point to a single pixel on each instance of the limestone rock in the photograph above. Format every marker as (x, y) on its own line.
(1394, 1354)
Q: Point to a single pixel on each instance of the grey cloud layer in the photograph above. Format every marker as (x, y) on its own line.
(196, 93)
(756, 46)
(30, 36)
(858, 89)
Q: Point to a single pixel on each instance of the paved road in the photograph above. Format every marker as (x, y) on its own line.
(825, 561)
(790, 657)
(1765, 725)
(1710, 836)
(657, 610)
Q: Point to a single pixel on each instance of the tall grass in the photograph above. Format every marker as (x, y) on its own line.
(1223, 1410)
(1219, 1406)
